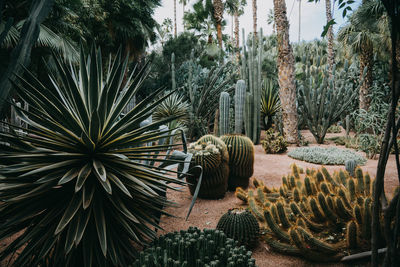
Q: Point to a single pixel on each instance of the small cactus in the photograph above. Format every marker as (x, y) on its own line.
(350, 166)
(241, 226)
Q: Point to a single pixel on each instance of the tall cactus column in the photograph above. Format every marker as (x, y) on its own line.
(251, 72)
(224, 104)
(240, 94)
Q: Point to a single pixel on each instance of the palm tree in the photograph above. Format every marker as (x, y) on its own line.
(359, 35)
(184, 3)
(218, 12)
(271, 20)
(175, 29)
(200, 19)
(236, 8)
(285, 62)
(255, 17)
(331, 52)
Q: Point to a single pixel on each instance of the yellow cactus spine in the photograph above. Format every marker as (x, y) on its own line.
(255, 209)
(327, 211)
(260, 195)
(275, 227)
(282, 215)
(241, 194)
(295, 171)
(257, 183)
(351, 235)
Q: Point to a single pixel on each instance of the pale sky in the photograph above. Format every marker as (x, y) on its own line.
(312, 17)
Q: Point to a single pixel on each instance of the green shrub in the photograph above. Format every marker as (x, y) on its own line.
(370, 144)
(274, 142)
(76, 189)
(334, 129)
(195, 248)
(326, 156)
(338, 140)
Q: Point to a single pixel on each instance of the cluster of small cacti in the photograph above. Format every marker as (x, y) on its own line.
(195, 248)
(241, 160)
(321, 217)
(211, 154)
(240, 225)
(274, 142)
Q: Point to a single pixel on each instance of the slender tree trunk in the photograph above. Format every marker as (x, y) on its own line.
(287, 86)
(255, 18)
(331, 52)
(218, 16)
(237, 36)
(366, 61)
(175, 28)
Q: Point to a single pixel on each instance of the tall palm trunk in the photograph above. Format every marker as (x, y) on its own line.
(331, 52)
(287, 86)
(175, 29)
(366, 61)
(255, 17)
(236, 15)
(218, 16)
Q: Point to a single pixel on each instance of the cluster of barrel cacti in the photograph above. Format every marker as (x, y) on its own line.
(240, 225)
(211, 154)
(195, 248)
(321, 217)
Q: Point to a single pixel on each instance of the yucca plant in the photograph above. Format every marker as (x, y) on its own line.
(75, 189)
(270, 103)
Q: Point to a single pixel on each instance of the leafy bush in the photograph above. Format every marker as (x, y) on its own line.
(274, 142)
(338, 140)
(326, 156)
(75, 189)
(370, 144)
(195, 248)
(334, 129)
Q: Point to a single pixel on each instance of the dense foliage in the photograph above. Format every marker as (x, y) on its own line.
(326, 156)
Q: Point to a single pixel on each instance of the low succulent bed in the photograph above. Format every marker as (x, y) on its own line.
(326, 156)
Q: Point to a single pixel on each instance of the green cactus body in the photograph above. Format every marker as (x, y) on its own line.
(344, 198)
(367, 185)
(320, 178)
(307, 186)
(342, 210)
(330, 202)
(360, 181)
(316, 243)
(257, 183)
(352, 189)
(325, 189)
(367, 217)
(318, 215)
(292, 181)
(342, 177)
(295, 171)
(326, 210)
(283, 247)
(313, 226)
(282, 215)
(255, 209)
(351, 235)
(241, 160)
(281, 234)
(296, 239)
(240, 95)
(296, 195)
(350, 166)
(240, 225)
(260, 195)
(224, 106)
(241, 194)
(285, 182)
(328, 177)
(274, 212)
(194, 248)
(357, 214)
(215, 167)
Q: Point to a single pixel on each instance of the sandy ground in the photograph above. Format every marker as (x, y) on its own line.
(270, 168)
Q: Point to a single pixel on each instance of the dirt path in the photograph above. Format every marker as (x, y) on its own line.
(270, 168)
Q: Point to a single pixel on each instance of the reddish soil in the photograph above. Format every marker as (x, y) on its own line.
(270, 168)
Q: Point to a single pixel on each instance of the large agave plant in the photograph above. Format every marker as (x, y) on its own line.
(270, 103)
(75, 189)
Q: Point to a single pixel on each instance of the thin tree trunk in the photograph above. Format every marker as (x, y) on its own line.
(366, 61)
(331, 52)
(237, 36)
(255, 18)
(175, 28)
(287, 86)
(218, 16)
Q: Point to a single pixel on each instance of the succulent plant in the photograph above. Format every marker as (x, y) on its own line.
(270, 103)
(224, 106)
(314, 217)
(75, 190)
(212, 158)
(326, 156)
(350, 165)
(241, 160)
(240, 225)
(274, 142)
(240, 95)
(195, 248)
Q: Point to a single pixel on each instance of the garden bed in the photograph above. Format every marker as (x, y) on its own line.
(270, 169)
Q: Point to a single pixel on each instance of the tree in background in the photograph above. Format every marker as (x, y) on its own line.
(236, 8)
(287, 86)
(254, 4)
(218, 13)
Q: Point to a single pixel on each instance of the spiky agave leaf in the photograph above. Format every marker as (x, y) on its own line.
(270, 103)
(73, 188)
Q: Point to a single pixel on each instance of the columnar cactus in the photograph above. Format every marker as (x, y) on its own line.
(224, 105)
(251, 72)
(240, 94)
(213, 158)
(240, 225)
(241, 160)
(195, 248)
(350, 166)
(173, 85)
(321, 217)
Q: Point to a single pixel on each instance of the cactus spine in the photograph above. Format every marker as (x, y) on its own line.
(240, 94)
(251, 72)
(224, 105)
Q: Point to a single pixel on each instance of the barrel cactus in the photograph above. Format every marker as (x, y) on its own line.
(195, 248)
(215, 169)
(240, 225)
(241, 160)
